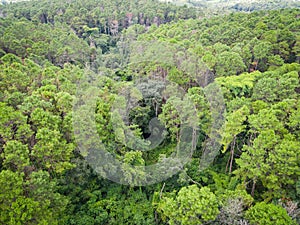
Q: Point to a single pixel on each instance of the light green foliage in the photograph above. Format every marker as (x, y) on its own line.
(132, 174)
(15, 76)
(261, 50)
(170, 117)
(229, 63)
(15, 156)
(11, 188)
(210, 60)
(268, 214)
(177, 76)
(42, 42)
(247, 199)
(31, 201)
(10, 121)
(272, 156)
(276, 86)
(234, 125)
(64, 102)
(41, 119)
(51, 152)
(196, 94)
(192, 205)
(238, 86)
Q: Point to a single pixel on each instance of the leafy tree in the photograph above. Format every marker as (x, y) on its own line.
(263, 213)
(262, 160)
(192, 205)
(31, 201)
(51, 152)
(229, 63)
(15, 156)
(234, 125)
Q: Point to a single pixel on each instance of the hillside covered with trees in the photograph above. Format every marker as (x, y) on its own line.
(224, 90)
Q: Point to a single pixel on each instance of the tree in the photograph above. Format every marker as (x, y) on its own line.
(229, 63)
(268, 214)
(31, 201)
(171, 118)
(271, 156)
(190, 206)
(11, 122)
(276, 86)
(52, 152)
(234, 125)
(15, 156)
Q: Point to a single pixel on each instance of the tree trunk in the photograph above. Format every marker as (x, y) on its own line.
(253, 188)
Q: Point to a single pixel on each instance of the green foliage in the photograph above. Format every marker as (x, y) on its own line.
(229, 64)
(170, 116)
(238, 86)
(191, 206)
(31, 201)
(272, 156)
(252, 57)
(233, 207)
(15, 156)
(42, 42)
(234, 125)
(229, 45)
(196, 94)
(263, 213)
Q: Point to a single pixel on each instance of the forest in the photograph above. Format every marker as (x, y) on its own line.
(147, 112)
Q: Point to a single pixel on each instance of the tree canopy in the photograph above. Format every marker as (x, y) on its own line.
(212, 100)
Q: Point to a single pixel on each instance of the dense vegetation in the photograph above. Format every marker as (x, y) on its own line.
(264, 5)
(209, 7)
(46, 47)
